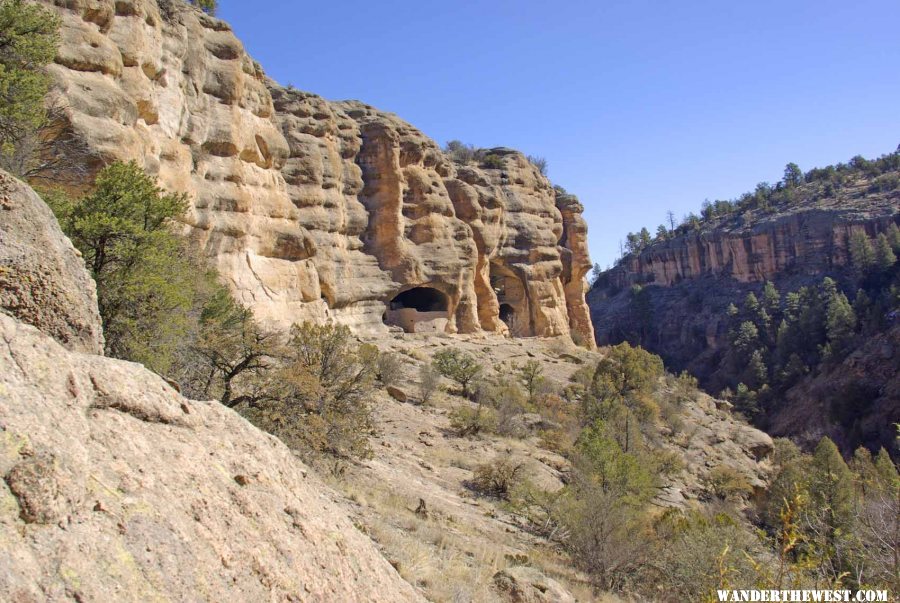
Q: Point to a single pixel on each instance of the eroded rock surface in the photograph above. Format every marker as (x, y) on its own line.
(317, 210)
(801, 242)
(115, 488)
(42, 277)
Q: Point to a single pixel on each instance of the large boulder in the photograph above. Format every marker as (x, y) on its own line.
(43, 280)
(116, 488)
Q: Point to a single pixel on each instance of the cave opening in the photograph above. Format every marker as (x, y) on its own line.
(419, 310)
(507, 312)
(512, 299)
(421, 299)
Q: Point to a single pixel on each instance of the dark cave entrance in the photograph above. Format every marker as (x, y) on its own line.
(507, 312)
(419, 310)
(421, 299)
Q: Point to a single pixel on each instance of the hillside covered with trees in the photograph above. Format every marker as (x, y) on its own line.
(772, 299)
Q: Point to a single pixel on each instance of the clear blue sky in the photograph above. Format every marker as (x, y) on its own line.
(638, 106)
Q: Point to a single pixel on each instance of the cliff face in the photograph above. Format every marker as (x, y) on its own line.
(802, 242)
(317, 210)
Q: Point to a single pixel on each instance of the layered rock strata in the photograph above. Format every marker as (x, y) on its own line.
(806, 242)
(310, 209)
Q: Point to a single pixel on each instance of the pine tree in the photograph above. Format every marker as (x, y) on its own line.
(887, 470)
(29, 34)
(832, 500)
(893, 235)
(840, 322)
(793, 176)
(751, 304)
(862, 307)
(661, 233)
(746, 338)
(757, 374)
(146, 279)
(862, 256)
(645, 238)
(771, 298)
(884, 254)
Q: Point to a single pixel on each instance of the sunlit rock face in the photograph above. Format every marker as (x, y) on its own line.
(311, 209)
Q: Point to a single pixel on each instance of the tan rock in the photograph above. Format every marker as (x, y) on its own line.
(314, 210)
(115, 488)
(521, 584)
(43, 280)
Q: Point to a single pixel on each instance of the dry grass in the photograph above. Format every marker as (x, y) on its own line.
(443, 557)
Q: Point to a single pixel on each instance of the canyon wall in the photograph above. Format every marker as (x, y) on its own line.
(312, 209)
(682, 295)
(805, 243)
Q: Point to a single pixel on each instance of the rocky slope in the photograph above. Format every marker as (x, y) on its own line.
(116, 488)
(314, 209)
(467, 547)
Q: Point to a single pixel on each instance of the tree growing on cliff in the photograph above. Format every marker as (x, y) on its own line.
(793, 175)
(840, 321)
(862, 255)
(885, 257)
(32, 139)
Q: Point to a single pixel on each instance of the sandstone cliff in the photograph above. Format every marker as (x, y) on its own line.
(314, 209)
(756, 248)
(116, 488)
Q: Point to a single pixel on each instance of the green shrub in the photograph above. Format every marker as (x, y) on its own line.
(148, 282)
(323, 388)
(539, 162)
(459, 366)
(429, 382)
(493, 161)
(389, 368)
(468, 421)
(727, 483)
(208, 6)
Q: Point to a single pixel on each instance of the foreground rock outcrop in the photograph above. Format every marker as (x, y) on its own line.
(42, 277)
(316, 210)
(116, 488)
